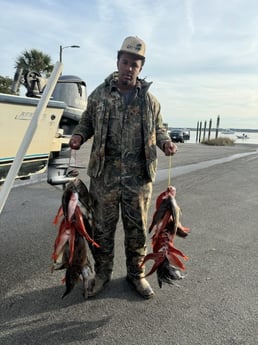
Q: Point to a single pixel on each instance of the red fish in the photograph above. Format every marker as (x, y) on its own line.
(79, 267)
(72, 234)
(165, 226)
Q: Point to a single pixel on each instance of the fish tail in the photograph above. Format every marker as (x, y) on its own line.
(174, 261)
(72, 275)
(158, 259)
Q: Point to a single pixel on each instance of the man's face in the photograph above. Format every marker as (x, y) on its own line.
(129, 67)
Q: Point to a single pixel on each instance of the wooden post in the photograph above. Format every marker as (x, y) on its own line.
(204, 130)
(197, 131)
(200, 131)
(209, 134)
(217, 126)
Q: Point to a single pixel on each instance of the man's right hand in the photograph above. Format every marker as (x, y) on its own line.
(75, 142)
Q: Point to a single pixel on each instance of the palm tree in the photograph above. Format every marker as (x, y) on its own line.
(34, 60)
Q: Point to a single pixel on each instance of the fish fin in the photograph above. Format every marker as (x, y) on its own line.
(61, 239)
(81, 227)
(174, 261)
(71, 243)
(58, 215)
(160, 242)
(72, 205)
(54, 256)
(160, 227)
(176, 251)
(161, 198)
(158, 259)
(182, 231)
(158, 216)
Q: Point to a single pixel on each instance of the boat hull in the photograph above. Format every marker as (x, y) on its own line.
(16, 113)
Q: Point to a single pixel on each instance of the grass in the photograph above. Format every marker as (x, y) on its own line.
(220, 141)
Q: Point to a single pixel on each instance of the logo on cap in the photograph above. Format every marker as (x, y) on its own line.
(138, 47)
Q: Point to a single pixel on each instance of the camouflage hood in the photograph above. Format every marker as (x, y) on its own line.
(111, 82)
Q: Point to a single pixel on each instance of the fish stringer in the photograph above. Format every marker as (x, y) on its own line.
(170, 171)
(72, 165)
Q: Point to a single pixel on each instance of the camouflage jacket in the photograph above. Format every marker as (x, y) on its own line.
(94, 122)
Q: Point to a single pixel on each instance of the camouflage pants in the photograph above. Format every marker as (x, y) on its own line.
(111, 195)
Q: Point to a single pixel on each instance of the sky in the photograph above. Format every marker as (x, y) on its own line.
(201, 55)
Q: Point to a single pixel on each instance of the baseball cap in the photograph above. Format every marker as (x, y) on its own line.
(133, 45)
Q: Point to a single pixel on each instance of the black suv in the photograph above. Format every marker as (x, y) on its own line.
(179, 135)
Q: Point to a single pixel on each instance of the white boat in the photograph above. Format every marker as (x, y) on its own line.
(48, 150)
(243, 136)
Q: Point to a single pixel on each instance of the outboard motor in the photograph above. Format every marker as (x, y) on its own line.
(72, 91)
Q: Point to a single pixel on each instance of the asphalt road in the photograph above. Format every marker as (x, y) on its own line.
(217, 302)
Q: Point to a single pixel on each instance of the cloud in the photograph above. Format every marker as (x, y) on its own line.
(189, 15)
(201, 54)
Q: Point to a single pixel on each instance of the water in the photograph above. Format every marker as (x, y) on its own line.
(252, 137)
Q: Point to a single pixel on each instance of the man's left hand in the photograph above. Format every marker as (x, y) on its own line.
(170, 148)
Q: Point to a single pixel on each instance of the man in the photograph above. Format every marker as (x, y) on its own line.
(126, 123)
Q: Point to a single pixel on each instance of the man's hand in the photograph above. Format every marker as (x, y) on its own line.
(170, 148)
(75, 142)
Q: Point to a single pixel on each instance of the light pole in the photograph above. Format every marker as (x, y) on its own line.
(62, 48)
